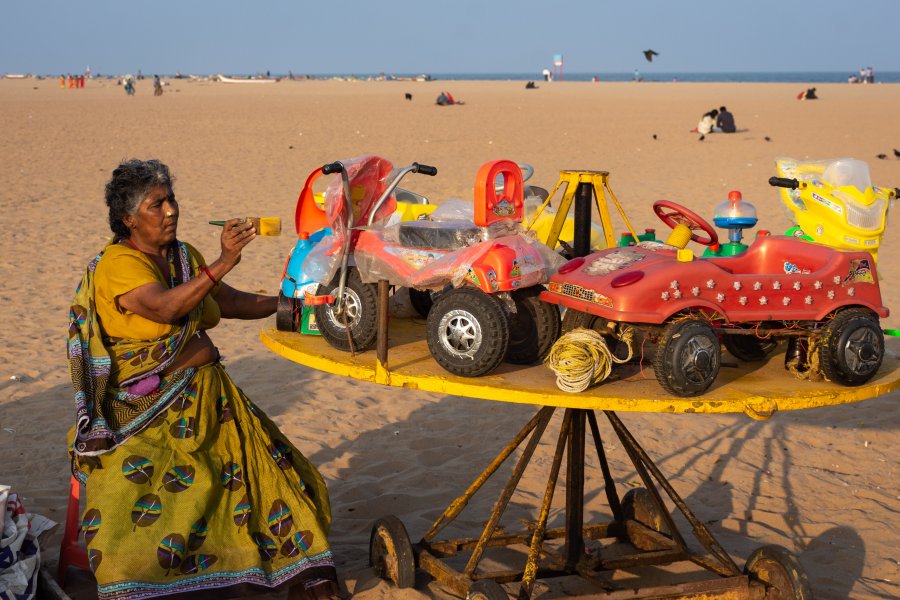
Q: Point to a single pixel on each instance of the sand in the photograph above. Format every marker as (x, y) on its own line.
(822, 483)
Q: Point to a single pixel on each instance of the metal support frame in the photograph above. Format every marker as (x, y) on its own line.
(581, 187)
(668, 545)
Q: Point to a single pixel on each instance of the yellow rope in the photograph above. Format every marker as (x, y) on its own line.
(581, 358)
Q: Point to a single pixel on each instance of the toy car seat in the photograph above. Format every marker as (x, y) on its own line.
(308, 217)
(498, 194)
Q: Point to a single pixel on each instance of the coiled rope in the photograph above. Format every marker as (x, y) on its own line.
(581, 358)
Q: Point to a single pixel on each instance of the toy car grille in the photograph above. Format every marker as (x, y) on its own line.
(576, 291)
(866, 217)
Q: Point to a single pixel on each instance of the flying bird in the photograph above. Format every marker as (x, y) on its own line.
(649, 54)
(702, 137)
(896, 153)
(882, 156)
(654, 137)
(767, 138)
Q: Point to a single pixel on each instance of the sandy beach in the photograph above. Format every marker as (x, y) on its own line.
(822, 483)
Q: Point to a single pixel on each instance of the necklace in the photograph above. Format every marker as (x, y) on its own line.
(166, 269)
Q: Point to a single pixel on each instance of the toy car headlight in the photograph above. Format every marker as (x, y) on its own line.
(627, 279)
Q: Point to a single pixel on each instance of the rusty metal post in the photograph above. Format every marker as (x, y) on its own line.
(643, 464)
(381, 348)
(612, 495)
(537, 538)
(575, 491)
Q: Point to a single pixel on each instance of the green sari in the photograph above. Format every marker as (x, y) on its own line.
(189, 485)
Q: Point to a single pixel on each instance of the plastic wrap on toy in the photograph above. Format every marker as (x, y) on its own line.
(323, 260)
(439, 235)
(368, 175)
(525, 262)
(454, 209)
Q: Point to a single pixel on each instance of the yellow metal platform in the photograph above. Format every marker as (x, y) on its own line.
(757, 389)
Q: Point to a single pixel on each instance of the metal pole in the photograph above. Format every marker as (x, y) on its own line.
(381, 348)
(575, 492)
(584, 194)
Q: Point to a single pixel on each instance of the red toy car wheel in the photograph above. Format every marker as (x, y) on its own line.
(852, 347)
(688, 357)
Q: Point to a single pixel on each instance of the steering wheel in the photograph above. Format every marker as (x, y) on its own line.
(673, 214)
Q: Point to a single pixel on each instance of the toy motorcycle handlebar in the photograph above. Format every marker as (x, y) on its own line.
(424, 169)
(335, 167)
(784, 182)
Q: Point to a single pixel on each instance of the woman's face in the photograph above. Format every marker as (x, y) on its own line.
(156, 221)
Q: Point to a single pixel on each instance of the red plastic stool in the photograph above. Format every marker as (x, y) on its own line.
(71, 553)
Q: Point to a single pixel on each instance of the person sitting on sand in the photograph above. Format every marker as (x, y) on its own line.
(189, 485)
(808, 94)
(707, 123)
(446, 99)
(725, 121)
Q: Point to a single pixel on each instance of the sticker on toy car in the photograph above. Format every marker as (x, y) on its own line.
(860, 272)
(613, 261)
(828, 203)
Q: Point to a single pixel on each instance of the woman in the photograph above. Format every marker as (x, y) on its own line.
(189, 486)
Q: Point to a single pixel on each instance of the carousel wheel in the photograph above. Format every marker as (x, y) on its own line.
(638, 504)
(391, 553)
(780, 572)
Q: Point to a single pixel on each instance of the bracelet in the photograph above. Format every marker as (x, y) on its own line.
(205, 269)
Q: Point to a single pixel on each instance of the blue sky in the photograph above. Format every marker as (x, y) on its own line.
(456, 36)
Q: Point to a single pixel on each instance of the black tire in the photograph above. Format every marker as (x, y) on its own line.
(287, 315)
(638, 505)
(852, 347)
(688, 357)
(421, 301)
(573, 319)
(390, 552)
(360, 303)
(468, 332)
(780, 572)
(486, 589)
(748, 348)
(532, 329)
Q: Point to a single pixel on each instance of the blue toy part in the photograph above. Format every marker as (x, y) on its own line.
(735, 215)
(295, 282)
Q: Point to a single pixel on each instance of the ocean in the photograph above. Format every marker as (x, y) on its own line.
(747, 77)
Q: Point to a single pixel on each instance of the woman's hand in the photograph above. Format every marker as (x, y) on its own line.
(236, 233)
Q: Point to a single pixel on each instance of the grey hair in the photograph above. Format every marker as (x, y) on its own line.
(130, 183)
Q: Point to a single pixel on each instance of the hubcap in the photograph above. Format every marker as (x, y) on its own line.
(699, 358)
(352, 307)
(460, 333)
(861, 350)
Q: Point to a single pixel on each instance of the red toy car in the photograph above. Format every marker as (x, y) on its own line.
(826, 302)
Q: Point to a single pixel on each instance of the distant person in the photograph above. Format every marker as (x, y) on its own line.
(637, 76)
(707, 123)
(446, 99)
(157, 86)
(853, 78)
(547, 75)
(725, 121)
(808, 94)
(870, 75)
(129, 86)
(530, 86)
